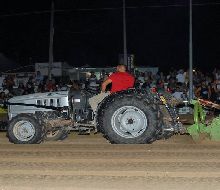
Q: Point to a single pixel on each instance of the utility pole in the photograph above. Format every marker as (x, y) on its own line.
(190, 53)
(51, 40)
(124, 36)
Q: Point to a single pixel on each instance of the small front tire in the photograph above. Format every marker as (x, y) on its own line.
(25, 129)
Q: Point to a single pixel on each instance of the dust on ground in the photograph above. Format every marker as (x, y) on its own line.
(91, 163)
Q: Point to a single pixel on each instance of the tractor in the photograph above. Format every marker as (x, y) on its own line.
(126, 117)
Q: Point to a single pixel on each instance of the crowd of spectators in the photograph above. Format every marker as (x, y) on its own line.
(206, 85)
(34, 84)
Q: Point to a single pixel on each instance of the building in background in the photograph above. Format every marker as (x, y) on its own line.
(83, 73)
(143, 69)
(58, 69)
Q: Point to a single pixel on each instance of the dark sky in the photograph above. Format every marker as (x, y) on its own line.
(91, 32)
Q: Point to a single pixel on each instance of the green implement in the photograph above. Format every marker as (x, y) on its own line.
(200, 128)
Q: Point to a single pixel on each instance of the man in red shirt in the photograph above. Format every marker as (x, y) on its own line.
(120, 80)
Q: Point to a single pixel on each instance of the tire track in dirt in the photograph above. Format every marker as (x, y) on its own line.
(110, 155)
(121, 166)
(89, 162)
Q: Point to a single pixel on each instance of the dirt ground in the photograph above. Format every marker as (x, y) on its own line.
(91, 163)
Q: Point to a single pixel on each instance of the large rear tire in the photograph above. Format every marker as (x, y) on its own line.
(25, 129)
(129, 119)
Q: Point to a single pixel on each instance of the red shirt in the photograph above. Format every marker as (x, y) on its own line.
(121, 81)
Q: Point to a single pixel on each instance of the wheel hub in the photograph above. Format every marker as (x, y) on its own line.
(24, 130)
(129, 121)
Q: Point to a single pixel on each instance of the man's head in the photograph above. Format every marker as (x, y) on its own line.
(121, 68)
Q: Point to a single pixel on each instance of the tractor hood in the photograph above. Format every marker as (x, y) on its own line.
(29, 104)
(31, 97)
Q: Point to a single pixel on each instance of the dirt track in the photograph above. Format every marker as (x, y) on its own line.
(89, 162)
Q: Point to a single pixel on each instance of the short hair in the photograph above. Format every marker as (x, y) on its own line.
(122, 65)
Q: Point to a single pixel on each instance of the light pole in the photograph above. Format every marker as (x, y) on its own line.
(124, 35)
(51, 40)
(190, 53)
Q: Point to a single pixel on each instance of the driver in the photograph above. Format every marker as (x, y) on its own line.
(120, 80)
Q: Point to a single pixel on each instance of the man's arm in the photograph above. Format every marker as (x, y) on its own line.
(105, 83)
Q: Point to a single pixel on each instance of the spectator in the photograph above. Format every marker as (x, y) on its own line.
(93, 82)
(180, 76)
(147, 84)
(21, 89)
(214, 92)
(178, 94)
(4, 84)
(41, 86)
(1, 80)
(171, 87)
(30, 86)
(75, 86)
(216, 74)
(203, 91)
(2, 97)
(50, 86)
(160, 84)
(141, 78)
(38, 78)
(8, 84)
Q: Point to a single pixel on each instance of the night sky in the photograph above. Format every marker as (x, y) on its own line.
(91, 32)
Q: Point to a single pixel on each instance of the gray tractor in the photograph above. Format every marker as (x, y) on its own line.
(126, 117)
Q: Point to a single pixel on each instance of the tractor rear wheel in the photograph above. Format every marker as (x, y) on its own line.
(129, 119)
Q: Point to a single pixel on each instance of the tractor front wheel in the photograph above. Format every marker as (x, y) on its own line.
(25, 129)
